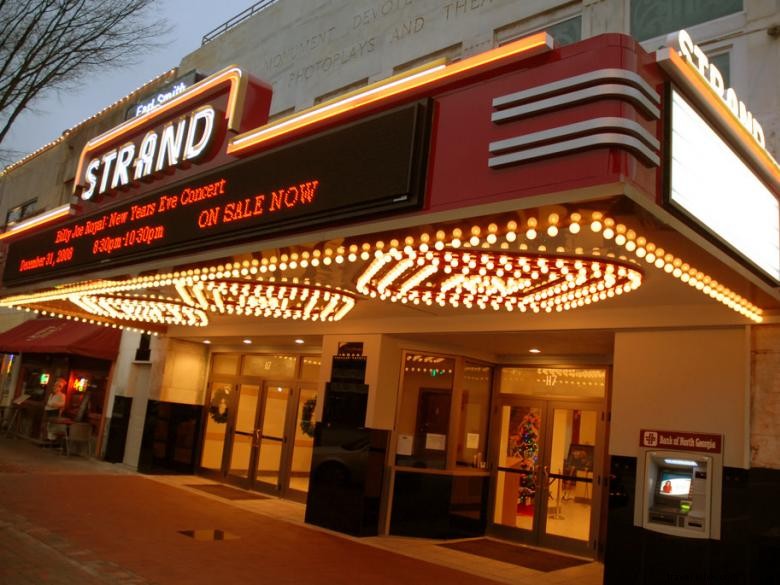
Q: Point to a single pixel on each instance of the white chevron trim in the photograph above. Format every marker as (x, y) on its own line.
(593, 126)
(591, 141)
(605, 90)
(622, 76)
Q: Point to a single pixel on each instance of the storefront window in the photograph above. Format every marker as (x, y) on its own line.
(85, 381)
(6, 377)
(723, 63)
(475, 402)
(424, 418)
(272, 367)
(310, 368)
(35, 382)
(573, 382)
(566, 32)
(86, 394)
(20, 212)
(653, 18)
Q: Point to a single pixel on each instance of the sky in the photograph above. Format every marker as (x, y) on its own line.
(49, 117)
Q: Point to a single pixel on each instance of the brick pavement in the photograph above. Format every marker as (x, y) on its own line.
(70, 520)
(31, 555)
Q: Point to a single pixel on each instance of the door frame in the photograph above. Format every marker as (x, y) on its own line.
(282, 488)
(288, 451)
(282, 484)
(242, 482)
(538, 536)
(217, 474)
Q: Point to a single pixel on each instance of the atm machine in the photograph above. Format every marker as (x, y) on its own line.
(680, 493)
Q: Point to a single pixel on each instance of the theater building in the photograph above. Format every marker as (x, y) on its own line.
(531, 292)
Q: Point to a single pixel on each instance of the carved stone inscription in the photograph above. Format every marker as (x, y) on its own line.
(460, 8)
(332, 61)
(353, 33)
(299, 50)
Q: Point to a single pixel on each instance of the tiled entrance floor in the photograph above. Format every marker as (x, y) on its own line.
(418, 548)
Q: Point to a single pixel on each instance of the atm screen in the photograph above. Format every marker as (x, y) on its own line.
(674, 483)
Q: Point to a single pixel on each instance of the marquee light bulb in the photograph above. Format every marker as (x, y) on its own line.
(473, 261)
(485, 280)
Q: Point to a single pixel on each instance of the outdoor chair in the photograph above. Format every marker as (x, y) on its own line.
(56, 435)
(79, 433)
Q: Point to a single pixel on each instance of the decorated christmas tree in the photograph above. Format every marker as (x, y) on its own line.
(525, 446)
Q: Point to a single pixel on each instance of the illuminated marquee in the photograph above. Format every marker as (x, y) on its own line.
(704, 193)
(178, 142)
(375, 163)
(345, 173)
(694, 55)
(149, 310)
(720, 178)
(160, 147)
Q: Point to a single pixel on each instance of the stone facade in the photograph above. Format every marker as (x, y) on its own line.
(310, 51)
(765, 397)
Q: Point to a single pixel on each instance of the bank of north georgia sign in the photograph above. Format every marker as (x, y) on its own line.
(188, 132)
(694, 55)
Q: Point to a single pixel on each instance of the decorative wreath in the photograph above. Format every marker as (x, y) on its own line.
(219, 408)
(307, 414)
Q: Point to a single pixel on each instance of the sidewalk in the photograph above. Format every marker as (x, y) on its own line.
(74, 520)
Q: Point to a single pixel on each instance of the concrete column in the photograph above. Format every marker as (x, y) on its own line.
(604, 16)
(765, 397)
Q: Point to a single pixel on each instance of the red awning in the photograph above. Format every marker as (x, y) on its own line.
(60, 336)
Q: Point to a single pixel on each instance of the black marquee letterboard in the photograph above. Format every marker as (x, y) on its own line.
(368, 167)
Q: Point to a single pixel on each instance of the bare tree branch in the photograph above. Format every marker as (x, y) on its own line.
(49, 45)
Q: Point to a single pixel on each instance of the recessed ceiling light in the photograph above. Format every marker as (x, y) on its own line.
(207, 341)
(534, 350)
(299, 341)
(248, 341)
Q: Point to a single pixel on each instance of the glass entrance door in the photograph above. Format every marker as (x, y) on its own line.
(569, 473)
(261, 436)
(222, 399)
(272, 435)
(301, 448)
(286, 439)
(258, 430)
(518, 490)
(546, 483)
(243, 433)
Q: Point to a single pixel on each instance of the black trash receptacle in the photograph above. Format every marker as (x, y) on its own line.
(117, 429)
